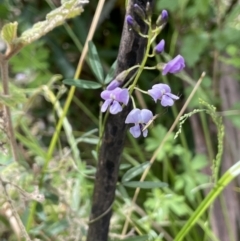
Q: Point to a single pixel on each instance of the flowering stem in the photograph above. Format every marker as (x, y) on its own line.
(143, 35)
(150, 67)
(133, 101)
(143, 62)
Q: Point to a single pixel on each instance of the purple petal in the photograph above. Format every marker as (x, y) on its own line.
(160, 47)
(175, 97)
(146, 116)
(166, 101)
(115, 108)
(135, 131)
(105, 94)
(145, 132)
(123, 96)
(163, 87)
(174, 66)
(114, 84)
(155, 94)
(133, 116)
(105, 105)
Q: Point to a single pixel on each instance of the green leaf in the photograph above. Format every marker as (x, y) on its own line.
(84, 84)
(198, 42)
(95, 63)
(57, 227)
(135, 171)
(145, 185)
(9, 32)
(111, 73)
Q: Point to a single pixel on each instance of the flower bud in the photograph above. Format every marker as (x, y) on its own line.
(118, 80)
(131, 22)
(162, 19)
(160, 47)
(148, 10)
(138, 10)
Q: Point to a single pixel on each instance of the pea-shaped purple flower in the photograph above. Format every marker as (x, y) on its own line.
(174, 66)
(113, 98)
(163, 92)
(139, 118)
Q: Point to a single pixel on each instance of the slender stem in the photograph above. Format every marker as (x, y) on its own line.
(142, 64)
(10, 131)
(144, 92)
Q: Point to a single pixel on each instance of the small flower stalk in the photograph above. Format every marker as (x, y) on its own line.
(116, 97)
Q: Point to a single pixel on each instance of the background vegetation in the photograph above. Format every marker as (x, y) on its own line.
(207, 34)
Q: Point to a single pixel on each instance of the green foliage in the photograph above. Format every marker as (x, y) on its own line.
(194, 46)
(153, 142)
(172, 189)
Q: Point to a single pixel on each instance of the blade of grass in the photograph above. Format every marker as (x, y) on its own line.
(221, 184)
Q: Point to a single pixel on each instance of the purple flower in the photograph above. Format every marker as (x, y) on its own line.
(113, 84)
(163, 92)
(160, 47)
(174, 66)
(140, 118)
(164, 15)
(113, 98)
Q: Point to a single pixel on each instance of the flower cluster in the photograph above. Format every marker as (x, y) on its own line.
(116, 97)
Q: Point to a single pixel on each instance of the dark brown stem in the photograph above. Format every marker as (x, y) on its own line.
(10, 131)
(131, 52)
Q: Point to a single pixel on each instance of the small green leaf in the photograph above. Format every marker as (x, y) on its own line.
(145, 185)
(9, 32)
(95, 63)
(84, 84)
(135, 171)
(111, 73)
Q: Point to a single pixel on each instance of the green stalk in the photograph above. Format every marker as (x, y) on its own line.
(212, 195)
